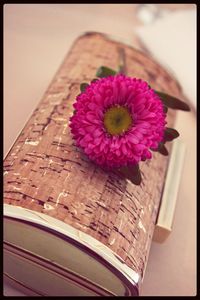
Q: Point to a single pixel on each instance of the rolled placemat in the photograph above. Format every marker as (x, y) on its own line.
(45, 173)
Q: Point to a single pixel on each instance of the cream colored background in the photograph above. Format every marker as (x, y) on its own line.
(36, 39)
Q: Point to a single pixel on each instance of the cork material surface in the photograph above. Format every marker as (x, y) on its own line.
(45, 172)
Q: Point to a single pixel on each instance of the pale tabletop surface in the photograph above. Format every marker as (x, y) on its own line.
(36, 39)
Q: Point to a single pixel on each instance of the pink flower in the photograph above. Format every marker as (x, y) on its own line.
(118, 120)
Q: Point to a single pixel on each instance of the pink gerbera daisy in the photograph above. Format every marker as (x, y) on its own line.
(118, 120)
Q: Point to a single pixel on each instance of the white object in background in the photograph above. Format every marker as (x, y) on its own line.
(172, 40)
(147, 13)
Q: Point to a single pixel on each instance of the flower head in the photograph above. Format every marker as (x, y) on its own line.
(118, 120)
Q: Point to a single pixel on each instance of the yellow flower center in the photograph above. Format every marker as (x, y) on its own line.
(117, 120)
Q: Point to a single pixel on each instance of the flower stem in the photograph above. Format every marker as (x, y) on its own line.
(122, 61)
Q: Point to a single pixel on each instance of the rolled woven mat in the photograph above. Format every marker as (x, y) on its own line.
(46, 173)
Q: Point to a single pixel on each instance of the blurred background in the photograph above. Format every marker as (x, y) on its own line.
(36, 39)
